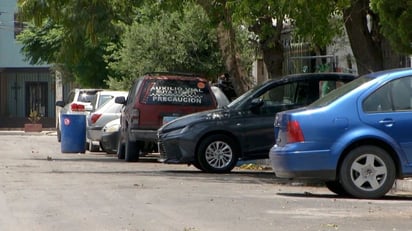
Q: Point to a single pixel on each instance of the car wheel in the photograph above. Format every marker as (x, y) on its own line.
(197, 165)
(217, 154)
(93, 147)
(131, 151)
(336, 187)
(120, 151)
(59, 133)
(367, 172)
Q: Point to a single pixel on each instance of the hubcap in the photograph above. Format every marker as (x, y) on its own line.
(218, 154)
(368, 172)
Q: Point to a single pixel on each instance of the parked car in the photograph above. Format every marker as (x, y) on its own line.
(155, 99)
(357, 138)
(97, 119)
(213, 141)
(78, 101)
(104, 96)
(110, 136)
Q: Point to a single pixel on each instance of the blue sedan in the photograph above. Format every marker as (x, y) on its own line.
(357, 138)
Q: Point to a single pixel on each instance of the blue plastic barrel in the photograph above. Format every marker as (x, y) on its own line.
(73, 133)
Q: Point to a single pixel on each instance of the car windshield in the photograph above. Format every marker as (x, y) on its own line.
(339, 92)
(239, 100)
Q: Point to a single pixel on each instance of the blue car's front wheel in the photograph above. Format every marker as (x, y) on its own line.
(367, 172)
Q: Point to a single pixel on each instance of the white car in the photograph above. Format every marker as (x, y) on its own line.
(100, 117)
(79, 101)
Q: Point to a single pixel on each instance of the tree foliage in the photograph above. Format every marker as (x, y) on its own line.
(395, 18)
(77, 31)
(164, 40)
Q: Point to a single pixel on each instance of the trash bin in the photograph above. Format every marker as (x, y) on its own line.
(73, 133)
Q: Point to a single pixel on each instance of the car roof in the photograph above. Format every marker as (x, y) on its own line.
(303, 76)
(391, 72)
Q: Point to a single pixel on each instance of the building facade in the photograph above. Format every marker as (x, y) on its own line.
(23, 87)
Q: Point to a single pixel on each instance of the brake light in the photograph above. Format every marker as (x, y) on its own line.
(295, 133)
(95, 117)
(134, 117)
(77, 107)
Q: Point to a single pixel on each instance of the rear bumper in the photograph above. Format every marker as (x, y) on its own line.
(143, 135)
(313, 164)
(94, 133)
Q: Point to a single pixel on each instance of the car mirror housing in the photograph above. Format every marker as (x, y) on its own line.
(60, 103)
(120, 100)
(255, 103)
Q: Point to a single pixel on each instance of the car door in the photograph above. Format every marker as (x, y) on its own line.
(389, 109)
(257, 122)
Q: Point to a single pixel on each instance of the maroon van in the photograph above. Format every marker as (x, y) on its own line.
(153, 100)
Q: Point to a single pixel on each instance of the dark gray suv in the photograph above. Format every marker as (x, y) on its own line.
(214, 140)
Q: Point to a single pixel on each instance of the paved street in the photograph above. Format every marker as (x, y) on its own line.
(43, 189)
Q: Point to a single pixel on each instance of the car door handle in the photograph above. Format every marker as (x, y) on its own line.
(387, 122)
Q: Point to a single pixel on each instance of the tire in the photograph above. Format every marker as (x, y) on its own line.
(197, 165)
(59, 133)
(108, 151)
(93, 147)
(367, 172)
(120, 151)
(336, 187)
(217, 154)
(120, 147)
(131, 150)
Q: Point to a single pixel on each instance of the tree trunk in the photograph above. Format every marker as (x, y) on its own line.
(271, 45)
(226, 35)
(227, 43)
(366, 42)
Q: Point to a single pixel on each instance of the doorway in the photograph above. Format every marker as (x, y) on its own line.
(37, 98)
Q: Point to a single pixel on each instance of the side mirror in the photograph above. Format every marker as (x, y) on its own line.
(120, 100)
(60, 103)
(255, 104)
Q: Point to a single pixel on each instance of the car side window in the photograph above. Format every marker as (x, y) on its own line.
(378, 101)
(402, 94)
(307, 92)
(393, 96)
(133, 91)
(277, 98)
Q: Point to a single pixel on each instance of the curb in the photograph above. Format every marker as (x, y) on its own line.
(404, 185)
(23, 133)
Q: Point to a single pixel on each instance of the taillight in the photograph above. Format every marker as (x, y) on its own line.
(95, 117)
(295, 133)
(77, 107)
(134, 117)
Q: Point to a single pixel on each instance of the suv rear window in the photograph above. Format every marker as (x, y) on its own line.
(176, 92)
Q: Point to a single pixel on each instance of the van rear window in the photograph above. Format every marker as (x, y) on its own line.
(176, 92)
